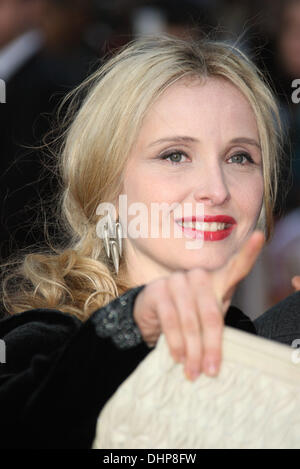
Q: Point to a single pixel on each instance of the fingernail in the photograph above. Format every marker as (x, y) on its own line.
(211, 369)
(191, 374)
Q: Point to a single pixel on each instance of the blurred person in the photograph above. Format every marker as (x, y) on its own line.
(286, 69)
(36, 79)
(276, 50)
(282, 255)
(27, 94)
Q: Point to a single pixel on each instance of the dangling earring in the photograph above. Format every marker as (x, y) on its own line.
(113, 248)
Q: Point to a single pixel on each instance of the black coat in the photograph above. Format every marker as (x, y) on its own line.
(60, 372)
(281, 322)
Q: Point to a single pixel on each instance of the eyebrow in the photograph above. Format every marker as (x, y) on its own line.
(183, 139)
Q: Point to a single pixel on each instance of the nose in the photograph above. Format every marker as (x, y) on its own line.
(211, 187)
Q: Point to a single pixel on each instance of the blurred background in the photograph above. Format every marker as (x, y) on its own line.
(47, 47)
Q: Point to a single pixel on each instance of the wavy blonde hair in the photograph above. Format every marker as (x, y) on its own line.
(77, 277)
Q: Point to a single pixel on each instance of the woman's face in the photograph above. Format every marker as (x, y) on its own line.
(198, 145)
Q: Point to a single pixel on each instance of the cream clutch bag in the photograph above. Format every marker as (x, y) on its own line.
(253, 403)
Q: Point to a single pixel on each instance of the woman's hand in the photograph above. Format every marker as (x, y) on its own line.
(296, 282)
(189, 308)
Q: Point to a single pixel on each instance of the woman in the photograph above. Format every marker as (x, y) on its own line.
(169, 122)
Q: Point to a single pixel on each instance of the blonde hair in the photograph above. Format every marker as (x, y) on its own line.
(78, 278)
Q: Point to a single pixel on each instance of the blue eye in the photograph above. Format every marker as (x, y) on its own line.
(175, 157)
(241, 158)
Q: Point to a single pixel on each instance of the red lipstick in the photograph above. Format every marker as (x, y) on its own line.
(208, 235)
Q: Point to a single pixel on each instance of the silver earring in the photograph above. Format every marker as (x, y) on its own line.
(113, 247)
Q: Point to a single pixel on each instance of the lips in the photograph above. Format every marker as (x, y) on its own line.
(212, 234)
(209, 219)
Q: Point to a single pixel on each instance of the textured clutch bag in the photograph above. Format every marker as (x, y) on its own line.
(253, 403)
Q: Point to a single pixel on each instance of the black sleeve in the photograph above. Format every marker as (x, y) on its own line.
(282, 321)
(59, 372)
(238, 320)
